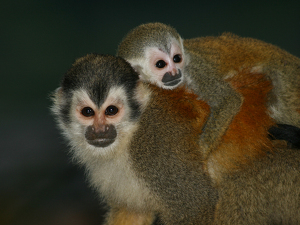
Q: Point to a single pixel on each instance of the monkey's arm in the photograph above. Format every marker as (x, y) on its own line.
(219, 119)
(223, 100)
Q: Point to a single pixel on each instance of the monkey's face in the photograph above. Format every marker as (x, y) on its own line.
(99, 123)
(163, 67)
(95, 106)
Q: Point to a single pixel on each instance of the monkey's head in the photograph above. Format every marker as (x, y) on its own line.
(156, 52)
(95, 106)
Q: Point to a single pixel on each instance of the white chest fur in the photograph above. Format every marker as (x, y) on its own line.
(117, 182)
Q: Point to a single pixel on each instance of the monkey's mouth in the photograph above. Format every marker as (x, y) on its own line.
(101, 142)
(101, 138)
(172, 80)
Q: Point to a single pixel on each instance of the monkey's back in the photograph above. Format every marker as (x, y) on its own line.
(267, 192)
(230, 52)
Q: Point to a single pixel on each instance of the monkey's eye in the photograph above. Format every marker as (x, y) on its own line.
(160, 64)
(111, 110)
(87, 112)
(177, 58)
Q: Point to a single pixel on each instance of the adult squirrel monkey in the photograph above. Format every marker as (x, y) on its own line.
(139, 145)
(205, 65)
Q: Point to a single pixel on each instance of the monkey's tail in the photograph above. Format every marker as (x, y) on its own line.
(286, 132)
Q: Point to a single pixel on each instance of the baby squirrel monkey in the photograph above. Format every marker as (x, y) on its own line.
(139, 145)
(160, 56)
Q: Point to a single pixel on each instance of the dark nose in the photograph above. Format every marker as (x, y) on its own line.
(101, 137)
(168, 77)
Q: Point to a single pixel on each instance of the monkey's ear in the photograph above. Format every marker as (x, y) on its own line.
(58, 96)
(58, 92)
(135, 64)
(143, 93)
(137, 68)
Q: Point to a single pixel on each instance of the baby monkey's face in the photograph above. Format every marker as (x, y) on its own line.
(163, 68)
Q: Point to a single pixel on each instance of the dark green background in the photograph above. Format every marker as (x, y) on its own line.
(40, 39)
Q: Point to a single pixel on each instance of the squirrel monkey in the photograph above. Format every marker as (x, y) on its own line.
(99, 108)
(162, 57)
(139, 145)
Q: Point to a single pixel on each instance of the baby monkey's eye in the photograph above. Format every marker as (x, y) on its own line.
(87, 112)
(160, 64)
(111, 110)
(177, 58)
